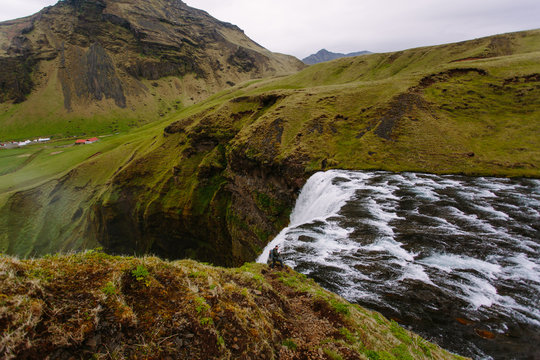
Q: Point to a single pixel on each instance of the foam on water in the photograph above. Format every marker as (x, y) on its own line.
(492, 211)
(474, 220)
(449, 263)
(368, 235)
(476, 291)
(524, 269)
(416, 272)
(390, 246)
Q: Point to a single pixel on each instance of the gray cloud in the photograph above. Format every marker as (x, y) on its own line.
(16, 9)
(301, 27)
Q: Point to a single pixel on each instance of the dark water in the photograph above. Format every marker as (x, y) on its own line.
(454, 258)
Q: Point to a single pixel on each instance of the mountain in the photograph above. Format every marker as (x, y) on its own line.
(217, 180)
(95, 306)
(97, 66)
(325, 55)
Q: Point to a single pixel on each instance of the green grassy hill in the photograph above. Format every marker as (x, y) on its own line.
(95, 306)
(215, 181)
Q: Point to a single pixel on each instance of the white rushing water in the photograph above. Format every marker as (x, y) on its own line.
(319, 200)
(468, 246)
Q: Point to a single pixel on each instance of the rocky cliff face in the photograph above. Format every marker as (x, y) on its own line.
(125, 54)
(218, 202)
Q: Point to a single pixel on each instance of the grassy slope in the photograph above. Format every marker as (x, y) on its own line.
(99, 306)
(43, 113)
(87, 172)
(462, 114)
(406, 111)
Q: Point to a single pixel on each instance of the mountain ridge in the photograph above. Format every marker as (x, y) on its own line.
(324, 55)
(104, 60)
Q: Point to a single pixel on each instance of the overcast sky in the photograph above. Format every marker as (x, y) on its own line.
(302, 27)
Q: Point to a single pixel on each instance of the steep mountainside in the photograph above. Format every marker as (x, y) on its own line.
(217, 180)
(89, 66)
(325, 55)
(94, 306)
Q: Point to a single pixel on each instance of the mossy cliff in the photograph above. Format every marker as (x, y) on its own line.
(94, 306)
(217, 180)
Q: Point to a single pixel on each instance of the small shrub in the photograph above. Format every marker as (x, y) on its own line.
(207, 321)
(109, 289)
(347, 335)
(401, 352)
(198, 274)
(340, 307)
(258, 278)
(378, 318)
(289, 343)
(332, 354)
(202, 306)
(425, 346)
(374, 355)
(371, 354)
(221, 341)
(298, 282)
(141, 274)
(41, 274)
(96, 254)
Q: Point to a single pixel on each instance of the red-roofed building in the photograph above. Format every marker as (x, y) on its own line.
(86, 141)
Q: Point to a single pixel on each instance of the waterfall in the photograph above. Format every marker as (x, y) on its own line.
(322, 197)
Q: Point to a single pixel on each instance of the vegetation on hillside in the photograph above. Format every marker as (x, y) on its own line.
(95, 306)
(215, 181)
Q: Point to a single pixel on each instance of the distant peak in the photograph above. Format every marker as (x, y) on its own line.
(325, 55)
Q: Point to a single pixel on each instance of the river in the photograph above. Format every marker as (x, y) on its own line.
(453, 258)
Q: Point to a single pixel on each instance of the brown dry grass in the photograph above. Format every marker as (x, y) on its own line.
(97, 306)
